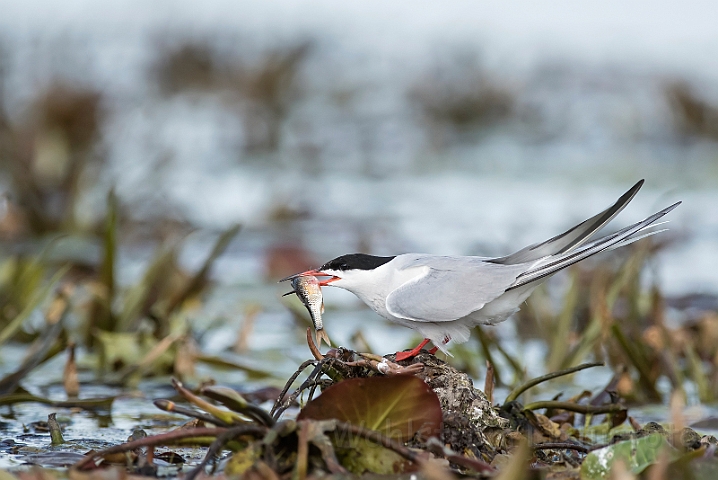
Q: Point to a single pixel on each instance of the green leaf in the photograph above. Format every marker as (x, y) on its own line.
(599, 432)
(637, 454)
(364, 456)
(236, 402)
(243, 460)
(197, 281)
(706, 469)
(219, 362)
(92, 404)
(107, 269)
(121, 349)
(101, 315)
(138, 298)
(40, 295)
(226, 396)
(398, 406)
(231, 418)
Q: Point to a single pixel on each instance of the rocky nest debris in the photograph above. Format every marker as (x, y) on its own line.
(470, 421)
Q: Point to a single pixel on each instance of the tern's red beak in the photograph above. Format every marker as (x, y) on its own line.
(315, 273)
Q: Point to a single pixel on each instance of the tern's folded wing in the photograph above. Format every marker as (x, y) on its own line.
(451, 288)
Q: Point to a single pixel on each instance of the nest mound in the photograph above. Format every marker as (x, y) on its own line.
(469, 418)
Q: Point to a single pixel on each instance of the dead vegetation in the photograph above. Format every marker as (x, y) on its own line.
(50, 158)
(459, 100)
(693, 115)
(262, 91)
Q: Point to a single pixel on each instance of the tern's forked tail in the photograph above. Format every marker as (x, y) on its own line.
(552, 264)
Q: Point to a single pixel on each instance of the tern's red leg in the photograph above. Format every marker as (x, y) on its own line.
(413, 352)
(447, 339)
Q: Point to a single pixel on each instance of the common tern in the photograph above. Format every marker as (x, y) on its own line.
(443, 297)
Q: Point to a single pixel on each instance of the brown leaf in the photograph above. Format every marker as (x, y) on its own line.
(69, 377)
(398, 407)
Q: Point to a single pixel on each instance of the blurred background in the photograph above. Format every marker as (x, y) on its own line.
(135, 135)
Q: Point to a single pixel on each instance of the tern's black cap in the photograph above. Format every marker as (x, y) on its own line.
(355, 261)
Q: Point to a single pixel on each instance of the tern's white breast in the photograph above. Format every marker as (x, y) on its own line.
(373, 286)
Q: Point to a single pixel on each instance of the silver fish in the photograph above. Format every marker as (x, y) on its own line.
(310, 293)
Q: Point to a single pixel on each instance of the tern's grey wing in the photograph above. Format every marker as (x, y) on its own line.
(451, 288)
(572, 238)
